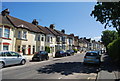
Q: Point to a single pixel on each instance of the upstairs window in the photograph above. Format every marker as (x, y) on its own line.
(42, 38)
(6, 32)
(63, 39)
(24, 35)
(19, 34)
(48, 39)
(38, 37)
(51, 39)
(0, 32)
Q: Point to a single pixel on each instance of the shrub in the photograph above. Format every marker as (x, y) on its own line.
(75, 50)
(47, 49)
(114, 49)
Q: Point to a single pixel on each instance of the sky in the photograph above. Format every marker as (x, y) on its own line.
(73, 17)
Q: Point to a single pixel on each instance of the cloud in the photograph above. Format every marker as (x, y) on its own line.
(98, 38)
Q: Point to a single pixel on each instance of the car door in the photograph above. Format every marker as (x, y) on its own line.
(16, 57)
(8, 58)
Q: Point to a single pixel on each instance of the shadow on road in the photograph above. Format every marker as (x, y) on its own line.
(68, 68)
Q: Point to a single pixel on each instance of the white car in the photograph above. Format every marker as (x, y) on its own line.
(11, 58)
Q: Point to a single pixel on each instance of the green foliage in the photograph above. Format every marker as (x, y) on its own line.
(75, 50)
(47, 49)
(114, 49)
(108, 36)
(108, 13)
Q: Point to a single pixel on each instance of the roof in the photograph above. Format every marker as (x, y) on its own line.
(4, 20)
(45, 30)
(23, 24)
(59, 32)
(53, 31)
(83, 41)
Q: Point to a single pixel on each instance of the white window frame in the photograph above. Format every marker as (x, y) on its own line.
(1, 30)
(42, 38)
(38, 38)
(19, 34)
(6, 33)
(24, 35)
(6, 45)
(51, 39)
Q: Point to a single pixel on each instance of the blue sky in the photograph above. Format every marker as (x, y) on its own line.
(74, 17)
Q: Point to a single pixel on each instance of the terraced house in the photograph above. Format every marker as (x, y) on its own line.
(28, 38)
(7, 31)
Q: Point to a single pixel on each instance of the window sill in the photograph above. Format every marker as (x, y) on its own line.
(22, 39)
(5, 38)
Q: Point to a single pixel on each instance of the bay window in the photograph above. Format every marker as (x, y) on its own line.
(24, 35)
(0, 32)
(5, 47)
(19, 34)
(6, 32)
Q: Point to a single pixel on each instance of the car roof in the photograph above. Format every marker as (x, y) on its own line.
(5, 51)
(92, 52)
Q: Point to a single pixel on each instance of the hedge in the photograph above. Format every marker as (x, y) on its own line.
(114, 49)
(47, 49)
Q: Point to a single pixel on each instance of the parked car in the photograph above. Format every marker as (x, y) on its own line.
(60, 54)
(40, 56)
(11, 58)
(69, 52)
(98, 52)
(92, 57)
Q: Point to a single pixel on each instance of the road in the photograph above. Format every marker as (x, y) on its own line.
(70, 67)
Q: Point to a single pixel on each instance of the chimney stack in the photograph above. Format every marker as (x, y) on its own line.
(35, 22)
(72, 34)
(52, 26)
(5, 12)
(63, 31)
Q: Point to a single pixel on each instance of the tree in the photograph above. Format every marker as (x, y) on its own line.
(108, 13)
(108, 37)
(114, 50)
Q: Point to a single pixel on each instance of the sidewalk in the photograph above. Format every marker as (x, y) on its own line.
(108, 71)
(28, 57)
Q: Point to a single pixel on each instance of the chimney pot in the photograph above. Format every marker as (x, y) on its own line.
(5, 12)
(63, 31)
(35, 22)
(52, 26)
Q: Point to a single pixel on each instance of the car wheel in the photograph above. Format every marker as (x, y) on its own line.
(2, 64)
(39, 59)
(23, 62)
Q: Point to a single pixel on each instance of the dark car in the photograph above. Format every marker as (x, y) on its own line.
(60, 54)
(40, 56)
(69, 52)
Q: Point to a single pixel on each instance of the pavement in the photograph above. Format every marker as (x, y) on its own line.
(29, 57)
(108, 70)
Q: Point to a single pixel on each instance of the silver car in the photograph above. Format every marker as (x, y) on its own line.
(11, 58)
(92, 57)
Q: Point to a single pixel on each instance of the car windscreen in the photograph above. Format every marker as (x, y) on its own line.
(91, 54)
(68, 51)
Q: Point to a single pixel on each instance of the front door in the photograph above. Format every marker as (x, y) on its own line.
(29, 49)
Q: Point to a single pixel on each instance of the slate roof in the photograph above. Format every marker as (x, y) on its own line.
(4, 20)
(18, 23)
(45, 30)
(59, 32)
(83, 41)
(53, 31)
